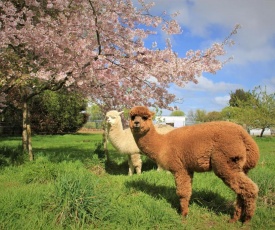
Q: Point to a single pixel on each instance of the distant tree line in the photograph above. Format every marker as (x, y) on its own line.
(64, 112)
(253, 109)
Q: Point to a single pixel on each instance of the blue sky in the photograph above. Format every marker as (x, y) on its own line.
(207, 21)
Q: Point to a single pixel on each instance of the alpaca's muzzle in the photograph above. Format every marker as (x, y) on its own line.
(136, 124)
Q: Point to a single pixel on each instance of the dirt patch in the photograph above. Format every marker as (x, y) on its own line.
(93, 131)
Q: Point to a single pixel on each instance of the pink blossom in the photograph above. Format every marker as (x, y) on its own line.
(97, 47)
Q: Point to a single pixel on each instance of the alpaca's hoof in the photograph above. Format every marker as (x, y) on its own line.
(246, 219)
(184, 219)
(232, 220)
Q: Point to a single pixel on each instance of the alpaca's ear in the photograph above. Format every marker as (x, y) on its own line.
(120, 112)
(152, 113)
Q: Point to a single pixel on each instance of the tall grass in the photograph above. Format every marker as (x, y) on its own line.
(11, 155)
(69, 186)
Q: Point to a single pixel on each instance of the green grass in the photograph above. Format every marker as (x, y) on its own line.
(70, 186)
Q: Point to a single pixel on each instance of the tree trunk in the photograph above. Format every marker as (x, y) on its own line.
(105, 142)
(31, 156)
(262, 132)
(26, 134)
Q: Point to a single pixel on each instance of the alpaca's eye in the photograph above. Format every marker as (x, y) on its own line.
(144, 118)
(133, 118)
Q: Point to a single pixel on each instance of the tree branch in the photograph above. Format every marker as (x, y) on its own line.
(97, 32)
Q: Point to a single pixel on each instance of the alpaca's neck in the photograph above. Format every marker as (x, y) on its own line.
(116, 133)
(151, 144)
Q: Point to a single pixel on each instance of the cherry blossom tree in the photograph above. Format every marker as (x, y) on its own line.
(97, 47)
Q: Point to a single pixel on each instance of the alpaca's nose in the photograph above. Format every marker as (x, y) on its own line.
(136, 123)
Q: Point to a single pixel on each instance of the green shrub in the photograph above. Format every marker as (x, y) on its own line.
(51, 112)
(57, 112)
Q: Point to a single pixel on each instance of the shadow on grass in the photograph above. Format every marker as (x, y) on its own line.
(11, 156)
(121, 168)
(117, 165)
(207, 199)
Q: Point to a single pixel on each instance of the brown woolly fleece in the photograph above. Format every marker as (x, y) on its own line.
(224, 147)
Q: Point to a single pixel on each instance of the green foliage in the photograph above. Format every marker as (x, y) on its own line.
(177, 113)
(214, 116)
(69, 187)
(257, 110)
(200, 116)
(95, 112)
(157, 111)
(239, 96)
(230, 113)
(50, 113)
(93, 125)
(57, 112)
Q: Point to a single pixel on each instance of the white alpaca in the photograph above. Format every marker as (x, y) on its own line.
(123, 141)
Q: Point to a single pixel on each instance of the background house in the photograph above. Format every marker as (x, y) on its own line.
(174, 121)
(257, 132)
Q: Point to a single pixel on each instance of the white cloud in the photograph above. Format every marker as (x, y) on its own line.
(207, 94)
(208, 85)
(255, 41)
(223, 101)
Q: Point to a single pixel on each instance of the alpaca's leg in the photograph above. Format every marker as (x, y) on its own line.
(131, 166)
(250, 202)
(247, 192)
(136, 163)
(183, 181)
(243, 186)
(239, 208)
(159, 168)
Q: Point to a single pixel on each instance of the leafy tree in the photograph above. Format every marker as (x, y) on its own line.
(58, 112)
(95, 112)
(20, 95)
(213, 116)
(52, 112)
(191, 117)
(230, 113)
(238, 95)
(177, 113)
(198, 116)
(258, 111)
(96, 47)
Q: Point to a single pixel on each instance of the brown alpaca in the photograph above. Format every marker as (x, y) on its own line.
(224, 147)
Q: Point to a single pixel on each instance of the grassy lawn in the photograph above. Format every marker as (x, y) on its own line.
(71, 186)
